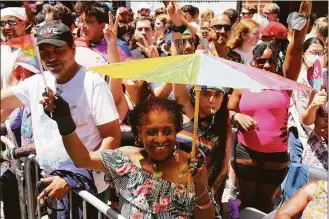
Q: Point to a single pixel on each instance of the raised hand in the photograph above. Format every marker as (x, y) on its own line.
(150, 50)
(111, 30)
(175, 13)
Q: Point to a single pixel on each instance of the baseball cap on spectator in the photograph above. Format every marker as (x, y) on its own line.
(55, 33)
(143, 5)
(109, 5)
(260, 19)
(275, 29)
(122, 10)
(18, 12)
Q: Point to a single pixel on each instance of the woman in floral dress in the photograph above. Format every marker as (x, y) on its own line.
(151, 180)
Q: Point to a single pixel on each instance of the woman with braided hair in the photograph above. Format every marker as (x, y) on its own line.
(244, 40)
(261, 157)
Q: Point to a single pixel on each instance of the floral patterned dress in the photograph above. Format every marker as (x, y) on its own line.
(318, 207)
(141, 195)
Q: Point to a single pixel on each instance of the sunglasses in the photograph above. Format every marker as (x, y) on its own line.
(189, 40)
(219, 27)
(11, 23)
(204, 28)
(261, 61)
(246, 13)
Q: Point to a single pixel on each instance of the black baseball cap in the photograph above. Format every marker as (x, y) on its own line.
(54, 32)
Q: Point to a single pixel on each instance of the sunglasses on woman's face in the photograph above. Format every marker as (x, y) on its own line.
(219, 27)
(11, 23)
(262, 61)
(189, 40)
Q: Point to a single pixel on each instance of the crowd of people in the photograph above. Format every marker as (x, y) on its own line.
(129, 141)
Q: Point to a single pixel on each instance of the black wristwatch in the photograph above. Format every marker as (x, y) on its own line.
(180, 29)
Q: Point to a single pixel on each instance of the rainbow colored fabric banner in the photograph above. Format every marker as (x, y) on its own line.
(27, 57)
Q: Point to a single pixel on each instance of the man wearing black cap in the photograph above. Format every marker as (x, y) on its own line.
(91, 103)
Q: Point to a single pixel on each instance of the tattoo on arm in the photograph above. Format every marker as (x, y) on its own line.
(179, 46)
(25, 151)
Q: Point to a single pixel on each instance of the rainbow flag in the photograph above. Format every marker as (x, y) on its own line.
(28, 57)
(186, 138)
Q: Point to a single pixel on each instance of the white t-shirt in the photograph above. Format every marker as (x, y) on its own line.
(8, 59)
(91, 105)
(245, 56)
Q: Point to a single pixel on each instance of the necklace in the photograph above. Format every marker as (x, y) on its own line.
(183, 168)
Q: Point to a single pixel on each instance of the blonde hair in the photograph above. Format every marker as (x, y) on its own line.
(321, 27)
(244, 26)
(207, 15)
(251, 8)
(163, 18)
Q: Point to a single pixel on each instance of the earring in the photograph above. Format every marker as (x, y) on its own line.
(138, 142)
(176, 152)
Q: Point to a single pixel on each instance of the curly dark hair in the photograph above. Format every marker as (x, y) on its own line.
(190, 9)
(260, 48)
(232, 14)
(93, 8)
(174, 109)
(63, 13)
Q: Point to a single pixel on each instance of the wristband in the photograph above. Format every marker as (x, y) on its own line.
(180, 29)
(66, 126)
(233, 117)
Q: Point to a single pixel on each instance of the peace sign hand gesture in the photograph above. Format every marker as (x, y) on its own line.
(150, 50)
(110, 31)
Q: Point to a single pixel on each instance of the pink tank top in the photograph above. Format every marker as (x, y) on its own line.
(269, 109)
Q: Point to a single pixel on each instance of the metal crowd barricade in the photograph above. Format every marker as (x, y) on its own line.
(85, 195)
(11, 143)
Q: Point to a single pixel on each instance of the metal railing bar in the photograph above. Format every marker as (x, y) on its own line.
(84, 204)
(101, 206)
